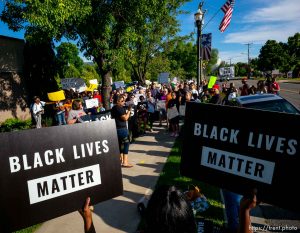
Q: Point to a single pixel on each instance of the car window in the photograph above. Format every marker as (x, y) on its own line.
(276, 106)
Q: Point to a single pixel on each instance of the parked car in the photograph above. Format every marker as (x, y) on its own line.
(268, 102)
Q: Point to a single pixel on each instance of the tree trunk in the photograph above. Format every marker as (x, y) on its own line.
(106, 84)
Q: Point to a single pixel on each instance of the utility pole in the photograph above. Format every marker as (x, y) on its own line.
(249, 68)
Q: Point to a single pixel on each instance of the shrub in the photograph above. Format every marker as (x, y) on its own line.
(14, 124)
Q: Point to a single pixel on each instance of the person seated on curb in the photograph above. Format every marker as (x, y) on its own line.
(169, 211)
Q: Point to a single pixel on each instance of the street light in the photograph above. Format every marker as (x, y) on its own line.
(199, 15)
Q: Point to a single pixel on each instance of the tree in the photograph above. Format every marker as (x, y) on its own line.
(293, 45)
(104, 28)
(153, 34)
(68, 60)
(89, 72)
(270, 56)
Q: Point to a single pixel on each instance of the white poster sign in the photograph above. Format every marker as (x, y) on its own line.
(172, 113)
(91, 103)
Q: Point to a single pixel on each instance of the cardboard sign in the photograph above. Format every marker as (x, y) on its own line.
(161, 104)
(262, 152)
(172, 113)
(56, 96)
(163, 77)
(182, 110)
(212, 81)
(91, 103)
(119, 84)
(76, 84)
(51, 171)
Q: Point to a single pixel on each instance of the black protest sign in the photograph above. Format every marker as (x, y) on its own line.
(49, 172)
(101, 116)
(240, 149)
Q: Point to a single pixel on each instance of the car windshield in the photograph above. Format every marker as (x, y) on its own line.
(275, 105)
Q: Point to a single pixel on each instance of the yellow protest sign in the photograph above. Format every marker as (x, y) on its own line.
(92, 87)
(56, 96)
(212, 81)
(130, 88)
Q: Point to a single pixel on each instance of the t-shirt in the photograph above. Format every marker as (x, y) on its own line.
(116, 113)
(73, 114)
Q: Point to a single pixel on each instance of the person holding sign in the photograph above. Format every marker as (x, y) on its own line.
(173, 115)
(119, 113)
(86, 214)
(76, 112)
(37, 111)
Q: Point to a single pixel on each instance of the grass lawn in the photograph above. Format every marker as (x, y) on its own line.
(29, 229)
(171, 176)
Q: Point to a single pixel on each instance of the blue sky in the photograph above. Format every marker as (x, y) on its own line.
(253, 21)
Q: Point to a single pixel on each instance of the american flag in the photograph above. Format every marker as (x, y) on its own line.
(227, 8)
(206, 46)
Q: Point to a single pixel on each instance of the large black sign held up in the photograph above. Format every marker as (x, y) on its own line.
(49, 172)
(240, 149)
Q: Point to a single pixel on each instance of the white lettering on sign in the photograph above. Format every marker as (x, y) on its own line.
(60, 184)
(269, 142)
(240, 165)
(213, 132)
(49, 157)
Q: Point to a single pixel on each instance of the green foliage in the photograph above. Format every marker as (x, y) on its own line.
(68, 60)
(89, 72)
(14, 124)
(71, 72)
(282, 56)
(29, 229)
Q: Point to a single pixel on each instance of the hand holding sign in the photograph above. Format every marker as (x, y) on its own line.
(86, 214)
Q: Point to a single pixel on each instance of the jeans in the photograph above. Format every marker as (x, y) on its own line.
(123, 140)
(60, 118)
(232, 205)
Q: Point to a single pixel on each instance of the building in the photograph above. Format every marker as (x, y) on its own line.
(12, 87)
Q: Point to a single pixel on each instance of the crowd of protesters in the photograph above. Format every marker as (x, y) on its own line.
(156, 102)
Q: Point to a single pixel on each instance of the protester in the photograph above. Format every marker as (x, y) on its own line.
(86, 214)
(37, 111)
(119, 113)
(60, 113)
(76, 113)
(173, 105)
(232, 205)
(274, 87)
(245, 88)
(169, 211)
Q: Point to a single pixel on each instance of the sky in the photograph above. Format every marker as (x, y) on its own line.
(253, 22)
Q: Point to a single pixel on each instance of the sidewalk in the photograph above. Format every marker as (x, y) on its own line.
(148, 154)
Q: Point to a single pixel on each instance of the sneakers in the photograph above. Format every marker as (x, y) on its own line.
(176, 135)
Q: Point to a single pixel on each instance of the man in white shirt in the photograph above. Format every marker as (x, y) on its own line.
(38, 110)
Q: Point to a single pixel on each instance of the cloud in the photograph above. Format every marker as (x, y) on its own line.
(234, 56)
(277, 11)
(260, 34)
(276, 20)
